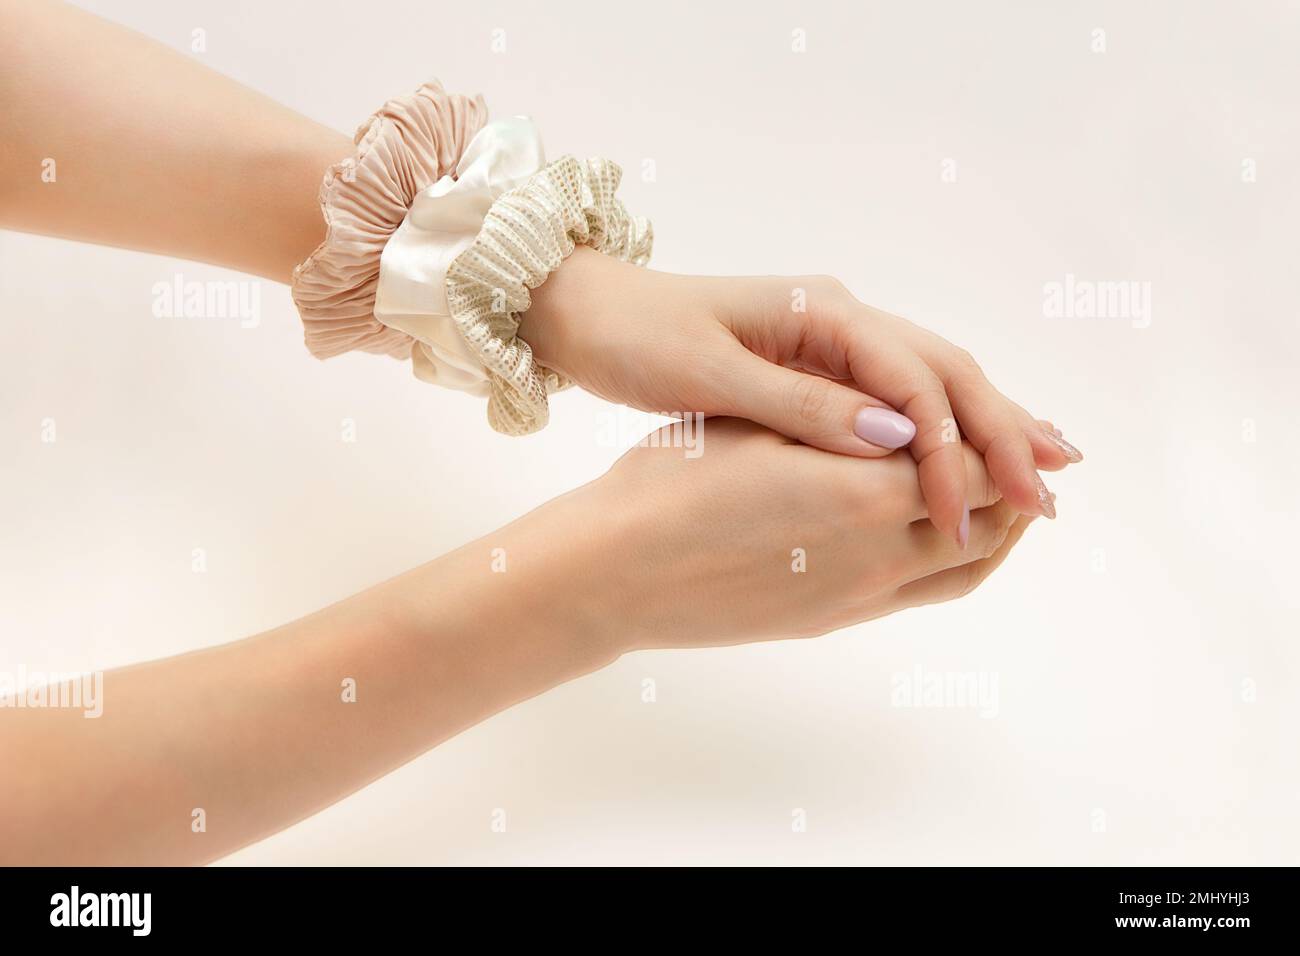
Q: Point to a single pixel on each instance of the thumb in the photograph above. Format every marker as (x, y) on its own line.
(812, 409)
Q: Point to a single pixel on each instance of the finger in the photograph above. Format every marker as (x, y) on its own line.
(897, 375)
(815, 410)
(981, 489)
(988, 527)
(992, 425)
(1051, 451)
(957, 582)
(1048, 453)
(991, 422)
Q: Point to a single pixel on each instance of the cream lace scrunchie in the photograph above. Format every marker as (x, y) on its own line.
(450, 277)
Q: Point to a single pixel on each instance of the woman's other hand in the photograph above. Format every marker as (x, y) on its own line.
(801, 356)
(761, 538)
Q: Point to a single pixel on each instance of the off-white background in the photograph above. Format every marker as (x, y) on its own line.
(1125, 636)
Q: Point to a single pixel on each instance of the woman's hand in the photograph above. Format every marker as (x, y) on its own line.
(762, 538)
(801, 356)
(756, 538)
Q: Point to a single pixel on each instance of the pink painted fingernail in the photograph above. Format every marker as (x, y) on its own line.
(1046, 500)
(963, 529)
(1072, 454)
(883, 427)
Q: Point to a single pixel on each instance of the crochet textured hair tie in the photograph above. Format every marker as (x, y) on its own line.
(437, 228)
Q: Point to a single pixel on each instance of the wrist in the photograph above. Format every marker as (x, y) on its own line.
(529, 602)
(296, 172)
(569, 561)
(560, 322)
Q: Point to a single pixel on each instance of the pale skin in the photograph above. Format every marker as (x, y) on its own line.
(156, 152)
(159, 154)
(662, 551)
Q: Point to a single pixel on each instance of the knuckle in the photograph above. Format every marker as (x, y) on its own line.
(961, 383)
(963, 359)
(937, 433)
(827, 287)
(963, 370)
(928, 386)
(809, 398)
(1004, 449)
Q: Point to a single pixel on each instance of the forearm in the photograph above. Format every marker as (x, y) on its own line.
(264, 732)
(151, 150)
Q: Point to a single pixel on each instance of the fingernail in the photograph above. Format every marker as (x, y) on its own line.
(963, 529)
(883, 427)
(1046, 500)
(1072, 454)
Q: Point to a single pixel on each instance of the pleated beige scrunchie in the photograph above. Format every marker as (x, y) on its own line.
(410, 143)
(526, 235)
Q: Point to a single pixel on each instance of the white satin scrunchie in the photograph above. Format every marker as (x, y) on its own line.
(443, 222)
(458, 272)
